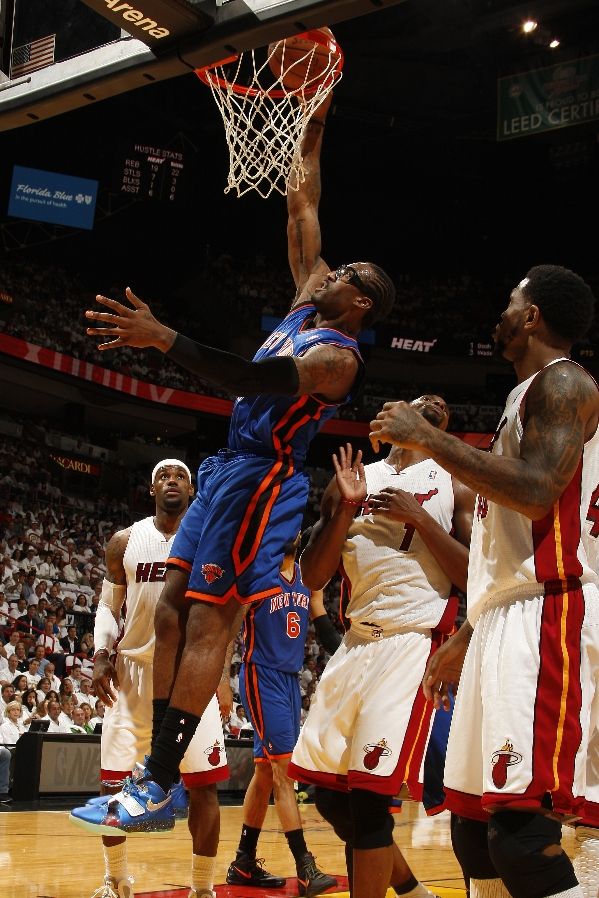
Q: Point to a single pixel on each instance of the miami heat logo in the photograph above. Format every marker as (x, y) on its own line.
(374, 752)
(213, 752)
(212, 572)
(501, 760)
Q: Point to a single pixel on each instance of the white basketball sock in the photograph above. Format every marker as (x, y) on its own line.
(202, 874)
(115, 860)
(488, 888)
(586, 863)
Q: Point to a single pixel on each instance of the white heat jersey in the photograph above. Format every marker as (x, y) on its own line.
(394, 580)
(510, 554)
(145, 568)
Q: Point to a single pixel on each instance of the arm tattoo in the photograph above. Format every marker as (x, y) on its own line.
(558, 405)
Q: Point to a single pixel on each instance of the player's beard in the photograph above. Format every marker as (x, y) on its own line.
(431, 415)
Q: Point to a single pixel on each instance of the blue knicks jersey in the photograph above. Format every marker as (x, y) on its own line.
(275, 629)
(275, 424)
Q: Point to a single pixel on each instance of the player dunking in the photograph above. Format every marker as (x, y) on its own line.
(251, 496)
(136, 568)
(274, 638)
(521, 758)
(388, 528)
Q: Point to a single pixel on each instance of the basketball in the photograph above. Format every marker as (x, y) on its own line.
(299, 61)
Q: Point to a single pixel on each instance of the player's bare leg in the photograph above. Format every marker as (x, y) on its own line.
(204, 827)
(372, 871)
(170, 622)
(199, 672)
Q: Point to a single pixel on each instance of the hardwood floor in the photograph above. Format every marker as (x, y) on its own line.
(42, 855)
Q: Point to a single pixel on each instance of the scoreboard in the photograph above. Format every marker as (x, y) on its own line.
(149, 172)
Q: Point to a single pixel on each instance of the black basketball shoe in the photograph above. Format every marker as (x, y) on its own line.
(312, 881)
(248, 871)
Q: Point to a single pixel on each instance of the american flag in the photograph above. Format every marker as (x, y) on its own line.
(31, 57)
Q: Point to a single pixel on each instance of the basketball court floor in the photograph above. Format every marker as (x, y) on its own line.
(42, 855)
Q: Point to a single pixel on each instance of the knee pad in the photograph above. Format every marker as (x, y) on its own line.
(373, 824)
(469, 842)
(334, 807)
(526, 852)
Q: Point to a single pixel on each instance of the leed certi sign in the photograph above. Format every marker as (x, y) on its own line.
(557, 96)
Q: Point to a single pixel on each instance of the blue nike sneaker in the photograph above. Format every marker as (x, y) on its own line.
(136, 774)
(180, 799)
(178, 793)
(141, 806)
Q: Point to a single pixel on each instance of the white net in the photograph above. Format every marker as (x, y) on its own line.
(264, 118)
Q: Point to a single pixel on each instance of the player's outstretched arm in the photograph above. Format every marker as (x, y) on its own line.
(136, 326)
(303, 225)
(562, 410)
(106, 627)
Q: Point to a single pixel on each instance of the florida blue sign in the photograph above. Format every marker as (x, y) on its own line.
(52, 197)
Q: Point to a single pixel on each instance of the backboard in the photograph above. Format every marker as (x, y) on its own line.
(57, 55)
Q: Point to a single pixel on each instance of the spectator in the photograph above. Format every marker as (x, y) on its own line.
(46, 568)
(29, 703)
(30, 623)
(66, 712)
(12, 726)
(72, 574)
(9, 675)
(98, 717)
(4, 611)
(20, 684)
(21, 654)
(52, 647)
(50, 673)
(12, 641)
(7, 695)
(18, 607)
(43, 688)
(33, 675)
(70, 644)
(87, 716)
(83, 690)
(78, 725)
(54, 716)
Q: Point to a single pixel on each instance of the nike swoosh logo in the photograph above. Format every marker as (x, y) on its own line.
(156, 807)
(242, 873)
(303, 882)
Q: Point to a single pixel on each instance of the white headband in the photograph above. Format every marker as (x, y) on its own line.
(170, 462)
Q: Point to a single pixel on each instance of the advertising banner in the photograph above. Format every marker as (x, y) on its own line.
(546, 99)
(52, 197)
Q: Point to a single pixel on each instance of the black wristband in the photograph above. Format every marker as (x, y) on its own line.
(277, 376)
(326, 633)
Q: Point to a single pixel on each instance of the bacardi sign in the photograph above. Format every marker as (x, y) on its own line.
(79, 465)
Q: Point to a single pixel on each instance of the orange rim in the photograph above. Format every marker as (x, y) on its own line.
(208, 74)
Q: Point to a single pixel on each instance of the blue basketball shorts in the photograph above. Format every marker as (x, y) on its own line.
(232, 537)
(273, 702)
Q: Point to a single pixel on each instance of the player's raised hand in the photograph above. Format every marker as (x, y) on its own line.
(133, 325)
(351, 479)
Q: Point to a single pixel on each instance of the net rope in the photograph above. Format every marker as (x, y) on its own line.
(264, 120)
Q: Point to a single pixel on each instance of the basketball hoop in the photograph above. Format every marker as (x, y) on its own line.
(266, 118)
